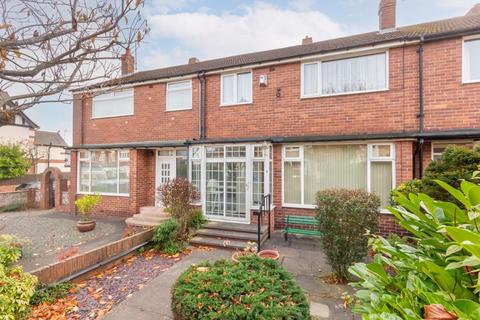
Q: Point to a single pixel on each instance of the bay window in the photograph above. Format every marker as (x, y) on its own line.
(236, 88)
(104, 172)
(308, 169)
(347, 75)
(179, 95)
(113, 104)
(471, 60)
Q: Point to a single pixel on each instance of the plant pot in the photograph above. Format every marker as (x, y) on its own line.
(269, 254)
(85, 226)
(239, 254)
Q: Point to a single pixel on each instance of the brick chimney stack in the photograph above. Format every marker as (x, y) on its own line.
(128, 63)
(387, 14)
(475, 10)
(307, 40)
(193, 60)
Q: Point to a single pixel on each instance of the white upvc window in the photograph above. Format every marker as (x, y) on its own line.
(366, 73)
(236, 88)
(179, 95)
(471, 60)
(438, 148)
(307, 169)
(117, 103)
(105, 172)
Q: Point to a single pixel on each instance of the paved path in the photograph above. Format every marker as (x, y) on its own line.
(153, 301)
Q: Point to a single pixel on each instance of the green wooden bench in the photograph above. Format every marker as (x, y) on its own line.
(292, 224)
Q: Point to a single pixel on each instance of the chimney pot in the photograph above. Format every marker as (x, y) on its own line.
(307, 40)
(387, 14)
(475, 10)
(128, 63)
(193, 60)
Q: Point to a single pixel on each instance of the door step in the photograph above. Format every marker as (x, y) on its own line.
(228, 235)
(148, 217)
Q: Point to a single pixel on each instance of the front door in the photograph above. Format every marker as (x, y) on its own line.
(226, 192)
(165, 172)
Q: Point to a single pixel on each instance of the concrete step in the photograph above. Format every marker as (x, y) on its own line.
(142, 217)
(237, 227)
(227, 234)
(155, 214)
(139, 223)
(152, 210)
(220, 243)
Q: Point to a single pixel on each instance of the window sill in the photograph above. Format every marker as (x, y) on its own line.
(235, 104)
(116, 116)
(313, 96)
(299, 206)
(105, 194)
(182, 109)
(470, 81)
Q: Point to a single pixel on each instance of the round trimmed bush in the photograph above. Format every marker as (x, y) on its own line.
(250, 289)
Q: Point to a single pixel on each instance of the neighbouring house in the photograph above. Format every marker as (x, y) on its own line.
(20, 131)
(50, 150)
(367, 111)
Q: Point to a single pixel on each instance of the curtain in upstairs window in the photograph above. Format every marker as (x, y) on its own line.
(179, 95)
(227, 88)
(244, 87)
(310, 78)
(363, 73)
(472, 60)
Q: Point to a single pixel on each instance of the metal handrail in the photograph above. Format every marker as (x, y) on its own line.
(265, 203)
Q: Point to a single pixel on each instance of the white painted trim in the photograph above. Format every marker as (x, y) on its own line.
(235, 89)
(466, 39)
(319, 93)
(167, 91)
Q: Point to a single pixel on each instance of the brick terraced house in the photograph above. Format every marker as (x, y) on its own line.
(367, 111)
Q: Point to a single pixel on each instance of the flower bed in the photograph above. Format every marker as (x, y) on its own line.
(253, 288)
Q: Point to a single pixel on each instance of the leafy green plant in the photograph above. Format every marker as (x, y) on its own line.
(16, 286)
(253, 288)
(86, 204)
(166, 237)
(13, 162)
(46, 293)
(12, 207)
(177, 196)
(438, 266)
(343, 217)
(197, 220)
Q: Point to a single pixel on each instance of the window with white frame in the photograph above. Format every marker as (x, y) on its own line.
(104, 172)
(236, 88)
(308, 169)
(438, 148)
(471, 60)
(179, 95)
(113, 104)
(348, 75)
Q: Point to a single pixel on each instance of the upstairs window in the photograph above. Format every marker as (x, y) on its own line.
(179, 95)
(236, 88)
(471, 60)
(349, 75)
(113, 104)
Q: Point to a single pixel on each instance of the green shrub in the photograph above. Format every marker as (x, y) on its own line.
(455, 165)
(87, 203)
(10, 250)
(197, 220)
(251, 289)
(50, 294)
(16, 286)
(166, 237)
(343, 217)
(13, 162)
(437, 266)
(12, 207)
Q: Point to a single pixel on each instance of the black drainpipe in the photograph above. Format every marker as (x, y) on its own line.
(201, 113)
(421, 114)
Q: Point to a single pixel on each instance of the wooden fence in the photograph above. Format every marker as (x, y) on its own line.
(63, 269)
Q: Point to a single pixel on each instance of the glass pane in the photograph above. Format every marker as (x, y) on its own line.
(292, 152)
(244, 87)
(181, 170)
(381, 151)
(354, 74)
(179, 95)
(84, 155)
(104, 171)
(196, 176)
(381, 181)
(472, 60)
(215, 189)
(227, 88)
(113, 104)
(258, 152)
(195, 153)
(214, 152)
(258, 181)
(310, 78)
(292, 190)
(84, 176)
(235, 151)
(182, 153)
(235, 190)
(124, 176)
(340, 166)
(165, 153)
